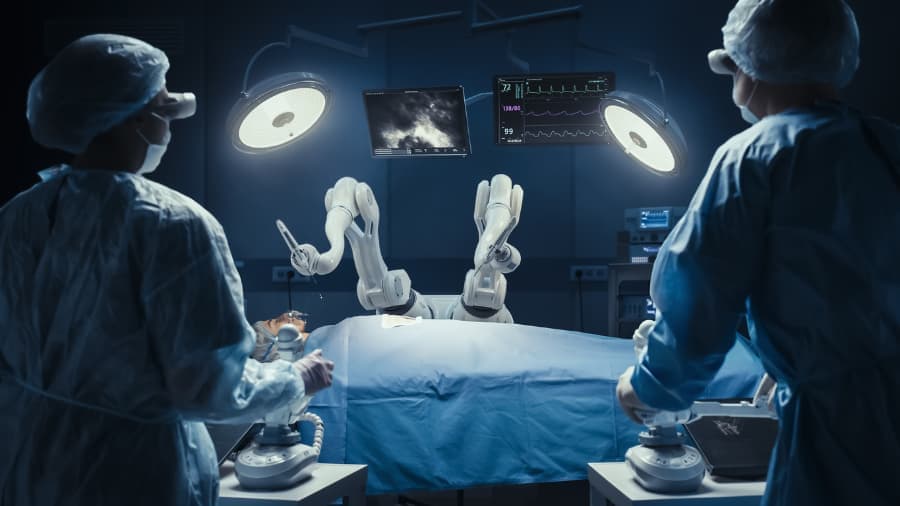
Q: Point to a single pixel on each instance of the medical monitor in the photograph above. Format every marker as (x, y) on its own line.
(414, 122)
(550, 108)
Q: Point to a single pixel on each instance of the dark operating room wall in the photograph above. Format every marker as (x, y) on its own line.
(177, 27)
(574, 195)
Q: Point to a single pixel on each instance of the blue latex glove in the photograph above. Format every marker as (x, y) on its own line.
(315, 370)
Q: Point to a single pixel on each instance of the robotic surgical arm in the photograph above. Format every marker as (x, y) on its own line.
(498, 205)
(378, 288)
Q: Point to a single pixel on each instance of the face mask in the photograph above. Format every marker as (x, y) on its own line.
(748, 115)
(154, 152)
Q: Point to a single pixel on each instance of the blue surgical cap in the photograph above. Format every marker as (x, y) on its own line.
(92, 85)
(794, 41)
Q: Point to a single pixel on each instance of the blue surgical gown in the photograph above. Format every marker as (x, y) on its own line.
(797, 225)
(121, 330)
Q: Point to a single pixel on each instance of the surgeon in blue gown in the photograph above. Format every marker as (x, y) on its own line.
(121, 312)
(797, 225)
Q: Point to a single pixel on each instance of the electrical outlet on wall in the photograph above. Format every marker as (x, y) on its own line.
(589, 273)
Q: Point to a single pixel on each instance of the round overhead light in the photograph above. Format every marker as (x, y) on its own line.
(642, 129)
(277, 112)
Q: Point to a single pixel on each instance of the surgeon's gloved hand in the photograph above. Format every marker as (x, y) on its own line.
(315, 370)
(628, 398)
(640, 337)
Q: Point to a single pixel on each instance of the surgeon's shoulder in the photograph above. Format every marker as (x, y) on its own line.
(159, 207)
(22, 205)
(23, 199)
(770, 136)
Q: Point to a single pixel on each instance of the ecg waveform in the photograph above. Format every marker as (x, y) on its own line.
(597, 89)
(564, 133)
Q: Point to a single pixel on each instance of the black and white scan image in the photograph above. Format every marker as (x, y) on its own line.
(417, 120)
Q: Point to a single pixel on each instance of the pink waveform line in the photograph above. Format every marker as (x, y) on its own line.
(560, 113)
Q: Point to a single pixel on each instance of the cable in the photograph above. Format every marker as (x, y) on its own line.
(321, 296)
(319, 434)
(290, 290)
(261, 50)
(478, 97)
(578, 275)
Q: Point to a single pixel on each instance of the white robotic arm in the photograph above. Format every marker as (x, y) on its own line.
(340, 204)
(378, 289)
(498, 206)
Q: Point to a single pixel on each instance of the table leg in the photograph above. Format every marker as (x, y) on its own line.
(357, 498)
(597, 498)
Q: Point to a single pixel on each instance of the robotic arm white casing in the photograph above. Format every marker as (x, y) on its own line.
(498, 206)
(340, 204)
(378, 289)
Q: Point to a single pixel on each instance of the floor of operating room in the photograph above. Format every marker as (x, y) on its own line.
(562, 493)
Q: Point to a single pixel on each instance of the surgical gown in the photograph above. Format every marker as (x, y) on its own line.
(797, 225)
(121, 330)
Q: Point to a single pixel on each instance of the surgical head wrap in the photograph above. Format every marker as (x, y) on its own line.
(794, 41)
(92, 85)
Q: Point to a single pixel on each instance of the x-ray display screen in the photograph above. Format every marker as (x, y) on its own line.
(417, 122)
(551, 108)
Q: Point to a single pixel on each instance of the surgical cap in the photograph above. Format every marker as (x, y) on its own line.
(92, 85)
(794, 41)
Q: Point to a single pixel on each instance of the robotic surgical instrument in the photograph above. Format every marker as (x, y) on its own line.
(498, 206)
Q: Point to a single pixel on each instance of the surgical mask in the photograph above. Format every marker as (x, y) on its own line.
(154, 152)
(748, 115)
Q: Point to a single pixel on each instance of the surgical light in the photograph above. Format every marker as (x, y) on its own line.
(644, 131)
(278, 111)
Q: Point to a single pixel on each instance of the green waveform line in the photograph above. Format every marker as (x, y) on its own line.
(562, 91)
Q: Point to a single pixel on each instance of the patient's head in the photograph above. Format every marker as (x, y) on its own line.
(296, 318)
(267, 330)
